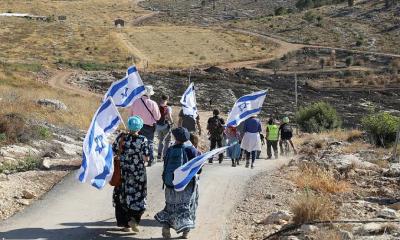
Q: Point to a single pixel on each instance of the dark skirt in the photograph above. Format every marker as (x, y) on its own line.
(180, 208)
(122, 213)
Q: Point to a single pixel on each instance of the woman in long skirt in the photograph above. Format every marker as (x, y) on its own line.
(251, 142)
(130, 197)
(179, 212)
(233, 152)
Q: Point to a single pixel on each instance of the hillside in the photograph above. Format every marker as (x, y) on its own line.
(368, 25)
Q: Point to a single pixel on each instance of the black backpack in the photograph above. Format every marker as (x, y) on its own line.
(215, 126)
(287, 132)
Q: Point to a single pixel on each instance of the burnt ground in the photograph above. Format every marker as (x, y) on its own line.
(213, 11)
(223, 87)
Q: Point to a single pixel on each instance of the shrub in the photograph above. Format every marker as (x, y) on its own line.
(276, 65)
(12, 127)
(28, 163)
(311, 207)
(322, 62)
(280, 11)
(309, 16)
(349, 61)
(381, 128)
(318, 117)
(318, 179)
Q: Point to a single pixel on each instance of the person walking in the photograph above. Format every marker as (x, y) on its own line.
(129, 198)
(149, 111)
(163, 127)
(189, 122)
(233, 152)
(286, 134)
(215, 128)
(272, 138)
(180, 208)
(251, 142)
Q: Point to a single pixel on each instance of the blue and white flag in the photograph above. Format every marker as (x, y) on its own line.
(245, 107)
(184, 174)
(188, 102)
(97, 161)
(125, 91)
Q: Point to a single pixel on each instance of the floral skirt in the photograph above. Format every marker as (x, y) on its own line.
(180, 208)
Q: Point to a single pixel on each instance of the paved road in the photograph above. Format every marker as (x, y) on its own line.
(77, 211)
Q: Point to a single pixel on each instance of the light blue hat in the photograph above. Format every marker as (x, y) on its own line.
(135, 123)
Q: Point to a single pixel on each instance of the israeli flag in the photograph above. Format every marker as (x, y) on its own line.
(245, 107)
(125, 91)
(188, 102)
(97, 163)
(184, 174)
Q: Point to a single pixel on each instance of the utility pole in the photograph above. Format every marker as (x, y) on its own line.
(296, 100)
(190, 74)
(395, 146)
(295, 90)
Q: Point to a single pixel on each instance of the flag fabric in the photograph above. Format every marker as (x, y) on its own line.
(188, 102)
(245, 107)
(97, 160)
(184, 174)
(125, 91)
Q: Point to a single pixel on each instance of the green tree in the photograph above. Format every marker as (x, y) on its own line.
(381, 127)
(318, 117)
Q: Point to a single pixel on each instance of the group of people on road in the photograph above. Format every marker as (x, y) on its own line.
(246, 140)
(135, 147)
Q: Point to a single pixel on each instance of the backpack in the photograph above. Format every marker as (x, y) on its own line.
(287, 132)
(189, 123)
(163, 112)
(175, 157)
(215, 126)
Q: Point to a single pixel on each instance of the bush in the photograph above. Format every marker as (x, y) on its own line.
(349, 61)
(280, 11)
(381, 128)
(12, 127)
(310, 207)
(318, 117)
(318, 179)
(26, 164)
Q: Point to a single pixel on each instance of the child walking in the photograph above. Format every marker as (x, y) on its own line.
(233, 137)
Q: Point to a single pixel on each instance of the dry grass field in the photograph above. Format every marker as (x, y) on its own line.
(179, 47)
(88, 38)
(19, 93)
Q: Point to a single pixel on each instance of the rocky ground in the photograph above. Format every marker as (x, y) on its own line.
(335, 178)
(30, 169)
(222, 87)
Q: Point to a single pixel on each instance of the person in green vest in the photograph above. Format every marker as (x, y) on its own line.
(272, 138)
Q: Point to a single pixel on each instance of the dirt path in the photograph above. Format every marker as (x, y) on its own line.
(59, 81)
(137, 21)
(284, 48)
(141, 59)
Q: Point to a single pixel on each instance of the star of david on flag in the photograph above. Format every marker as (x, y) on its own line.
(97, 158)
(125, 91)
(245, 107)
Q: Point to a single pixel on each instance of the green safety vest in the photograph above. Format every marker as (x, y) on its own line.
(273, 132)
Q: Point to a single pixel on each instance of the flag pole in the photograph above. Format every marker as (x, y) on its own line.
(190, 74)
(119, 114)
